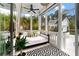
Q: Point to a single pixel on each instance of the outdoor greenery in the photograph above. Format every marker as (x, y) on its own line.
(43, 23)
(35, 23)
(72, 22)
(72, 25)
(5, 21)
(25, 23)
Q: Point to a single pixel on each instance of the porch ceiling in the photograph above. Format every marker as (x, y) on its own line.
(40, 6)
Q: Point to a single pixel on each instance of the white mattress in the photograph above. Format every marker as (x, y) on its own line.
(35, 40)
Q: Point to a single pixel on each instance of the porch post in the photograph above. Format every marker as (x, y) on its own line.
(31, 24)
(39, 23)
(59, 39)
(18, 9)
(46, 24)
(11, 27)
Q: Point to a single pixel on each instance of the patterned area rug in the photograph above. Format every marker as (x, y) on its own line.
(46, 51)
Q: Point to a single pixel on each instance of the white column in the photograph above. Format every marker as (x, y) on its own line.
(39, 23)
(49, 23)
(59, 38)
(31, 23)
(46, 24)
(18, 10)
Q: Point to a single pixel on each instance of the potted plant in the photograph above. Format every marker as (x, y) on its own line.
(20, 44)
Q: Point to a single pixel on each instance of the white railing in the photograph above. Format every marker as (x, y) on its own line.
(53, 38)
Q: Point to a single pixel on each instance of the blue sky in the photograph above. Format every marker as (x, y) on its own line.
(69, 6)
(65, 6)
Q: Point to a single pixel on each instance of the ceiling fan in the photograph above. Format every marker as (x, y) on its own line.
(31, 9)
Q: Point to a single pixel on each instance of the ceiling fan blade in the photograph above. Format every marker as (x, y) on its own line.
(34, 12)
(28, 11)
(25, 8)
(35, 9)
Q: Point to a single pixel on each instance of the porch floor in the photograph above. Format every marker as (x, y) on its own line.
(47, 50)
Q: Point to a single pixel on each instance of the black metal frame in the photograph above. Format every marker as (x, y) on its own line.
(11, 27)
(31, 46)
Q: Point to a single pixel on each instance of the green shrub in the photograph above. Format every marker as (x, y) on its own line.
(2, 45)
(8, 47)
(72, 24)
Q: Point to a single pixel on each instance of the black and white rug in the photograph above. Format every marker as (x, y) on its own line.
(46, 51)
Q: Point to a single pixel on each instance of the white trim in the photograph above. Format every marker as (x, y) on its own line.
(31, 23)
(46, 24)
(18, 9)
(59, 38)
(39, 22)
